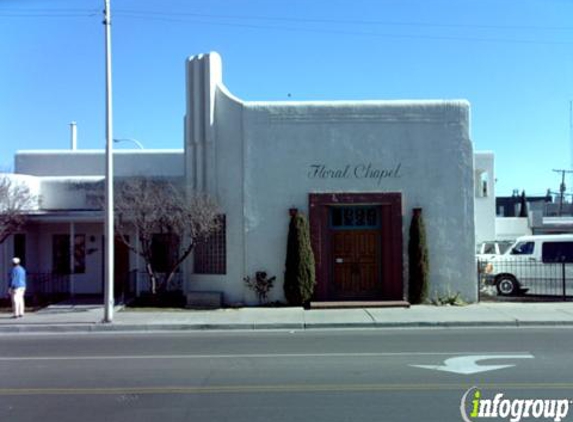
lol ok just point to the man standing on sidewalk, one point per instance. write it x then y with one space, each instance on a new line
17 288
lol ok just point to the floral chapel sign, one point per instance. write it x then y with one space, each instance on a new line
364 171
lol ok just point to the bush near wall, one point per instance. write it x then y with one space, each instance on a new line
300 276
418 262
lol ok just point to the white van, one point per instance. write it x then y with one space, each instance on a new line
490 249
533 264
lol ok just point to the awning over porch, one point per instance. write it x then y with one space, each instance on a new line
67 216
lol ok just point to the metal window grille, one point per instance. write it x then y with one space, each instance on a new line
211 255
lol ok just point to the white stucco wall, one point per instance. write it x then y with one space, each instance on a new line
485 225
422 146
510 228
33 184
54 163
214 164
71 193
68 179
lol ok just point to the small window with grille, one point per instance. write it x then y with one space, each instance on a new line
355 217
211 254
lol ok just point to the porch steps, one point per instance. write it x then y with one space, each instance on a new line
360 304
204 300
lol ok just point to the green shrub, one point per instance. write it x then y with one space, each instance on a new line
300 272
261 285
449 298
418 262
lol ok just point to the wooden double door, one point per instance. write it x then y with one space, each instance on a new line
356 264
357 244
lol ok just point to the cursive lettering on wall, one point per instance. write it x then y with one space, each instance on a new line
364 171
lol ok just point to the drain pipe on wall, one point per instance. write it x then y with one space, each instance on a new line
72 262
73 147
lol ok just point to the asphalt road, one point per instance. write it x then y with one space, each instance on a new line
336 375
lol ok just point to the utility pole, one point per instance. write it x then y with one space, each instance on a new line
108 229
571 132
562 188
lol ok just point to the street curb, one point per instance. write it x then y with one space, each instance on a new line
119 327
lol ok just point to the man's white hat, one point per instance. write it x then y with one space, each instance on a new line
15 261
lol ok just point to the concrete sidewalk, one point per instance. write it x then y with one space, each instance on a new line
88 318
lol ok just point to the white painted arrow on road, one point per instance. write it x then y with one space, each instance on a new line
468 364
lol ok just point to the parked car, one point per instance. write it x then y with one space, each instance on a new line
532 263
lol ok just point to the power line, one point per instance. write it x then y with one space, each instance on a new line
67 15
152 13
45 9
213 19
42 13
341 21
345 32
34 12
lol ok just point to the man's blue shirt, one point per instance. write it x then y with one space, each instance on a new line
18 278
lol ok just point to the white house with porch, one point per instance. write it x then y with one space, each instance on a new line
65 230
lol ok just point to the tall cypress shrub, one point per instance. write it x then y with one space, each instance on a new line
523 205
299 268
418 259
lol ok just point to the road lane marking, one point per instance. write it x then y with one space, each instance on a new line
296 388
248 356
468 364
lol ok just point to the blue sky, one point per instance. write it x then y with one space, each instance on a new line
512 59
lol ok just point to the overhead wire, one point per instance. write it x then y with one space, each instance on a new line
27 15
150 13
343 21
242 21
191 18
46 13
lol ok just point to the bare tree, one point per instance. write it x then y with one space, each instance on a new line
156 207
15 200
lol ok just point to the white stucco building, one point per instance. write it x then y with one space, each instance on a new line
356 169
